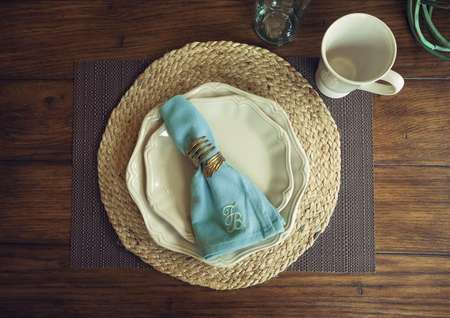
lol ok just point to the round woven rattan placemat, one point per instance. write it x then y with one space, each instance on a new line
251 69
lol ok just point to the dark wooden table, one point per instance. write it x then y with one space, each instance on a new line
40 41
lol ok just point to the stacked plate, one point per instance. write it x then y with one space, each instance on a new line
254 135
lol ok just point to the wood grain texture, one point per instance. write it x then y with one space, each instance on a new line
412 207
26 258
409 128
44 38
413 127
36 120
404 286
35 202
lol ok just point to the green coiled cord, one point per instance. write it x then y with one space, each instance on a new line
422 10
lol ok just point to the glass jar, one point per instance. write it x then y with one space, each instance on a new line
276 21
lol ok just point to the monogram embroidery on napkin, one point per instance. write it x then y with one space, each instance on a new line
233 218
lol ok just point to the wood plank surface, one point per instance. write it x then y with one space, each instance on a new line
44 38
40 42
36 120
412 209
35 202
409 128
412 206
413 127
27 258
404 286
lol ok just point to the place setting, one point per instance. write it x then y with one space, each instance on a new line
222 164
159 176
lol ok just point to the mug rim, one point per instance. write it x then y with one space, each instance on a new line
358 83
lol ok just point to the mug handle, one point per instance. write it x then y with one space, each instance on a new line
395 81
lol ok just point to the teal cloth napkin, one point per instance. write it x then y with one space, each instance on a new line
228 211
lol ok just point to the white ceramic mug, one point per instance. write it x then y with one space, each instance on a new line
358 50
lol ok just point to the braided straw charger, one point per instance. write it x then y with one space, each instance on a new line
251 69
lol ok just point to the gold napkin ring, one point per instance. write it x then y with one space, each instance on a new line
199 149
213 164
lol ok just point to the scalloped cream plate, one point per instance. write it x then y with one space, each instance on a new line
250 141
164 233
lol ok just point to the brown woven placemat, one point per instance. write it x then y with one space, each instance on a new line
347 244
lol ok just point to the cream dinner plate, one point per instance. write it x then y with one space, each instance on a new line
159 228
250 141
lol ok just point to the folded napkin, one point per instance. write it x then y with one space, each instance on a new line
228 212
